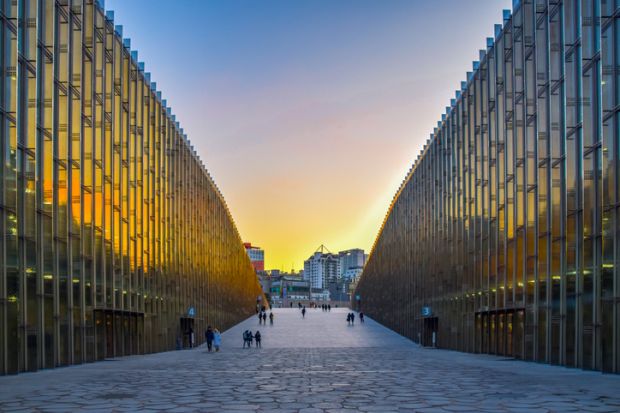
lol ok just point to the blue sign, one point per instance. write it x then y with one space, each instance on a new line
426 311
191 312
357 297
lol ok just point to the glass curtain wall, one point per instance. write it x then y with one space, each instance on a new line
503 237
115 238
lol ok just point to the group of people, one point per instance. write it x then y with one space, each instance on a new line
213 338
313 305
248 338
351 318
262 317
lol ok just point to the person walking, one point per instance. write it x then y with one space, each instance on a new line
303 312
247 338
349 319
260 317
209 338
270 318
352 318
258 338
264 318
361 317
329 307
217 339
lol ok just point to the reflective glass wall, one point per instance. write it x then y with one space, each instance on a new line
115 238
504 236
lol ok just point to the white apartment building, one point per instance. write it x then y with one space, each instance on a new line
320 268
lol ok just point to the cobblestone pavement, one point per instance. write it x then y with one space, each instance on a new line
312 365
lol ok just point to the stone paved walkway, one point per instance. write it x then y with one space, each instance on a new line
314 365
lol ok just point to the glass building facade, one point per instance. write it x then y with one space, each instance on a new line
115 239
504 236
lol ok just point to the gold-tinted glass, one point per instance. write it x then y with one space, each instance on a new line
116 237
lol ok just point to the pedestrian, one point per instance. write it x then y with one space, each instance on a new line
303 312
257 337
247 338
291 304
270 317
352 318
349 318
260 317
361 317
299 305
209 338
264 318
217 339
329 307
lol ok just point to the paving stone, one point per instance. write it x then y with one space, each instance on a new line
312 365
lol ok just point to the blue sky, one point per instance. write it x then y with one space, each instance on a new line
308 113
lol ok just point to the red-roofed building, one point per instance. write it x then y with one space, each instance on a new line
257 256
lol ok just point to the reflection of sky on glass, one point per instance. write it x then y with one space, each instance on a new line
308 113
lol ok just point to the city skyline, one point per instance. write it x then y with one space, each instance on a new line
324 122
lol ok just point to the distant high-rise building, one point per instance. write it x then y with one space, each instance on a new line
257 256
351 263
321 267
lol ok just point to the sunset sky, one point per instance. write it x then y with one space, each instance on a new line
307 113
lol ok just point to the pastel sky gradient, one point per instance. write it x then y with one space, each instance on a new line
307 113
